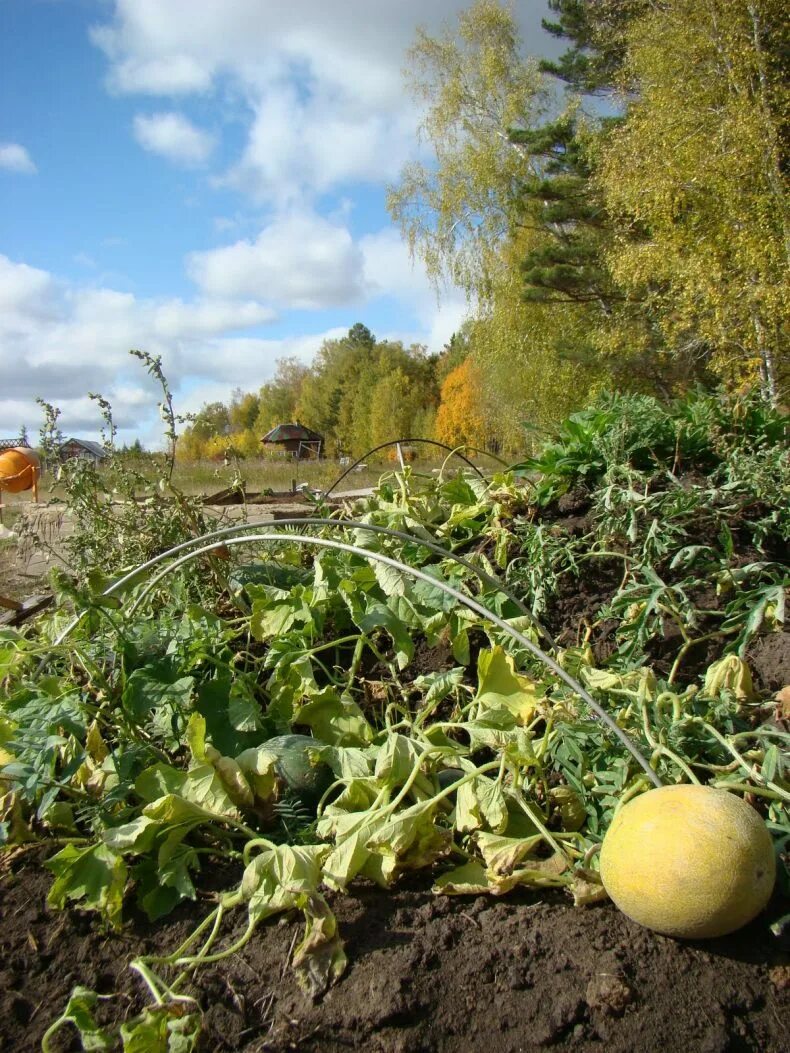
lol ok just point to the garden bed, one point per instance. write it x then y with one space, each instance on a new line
139 771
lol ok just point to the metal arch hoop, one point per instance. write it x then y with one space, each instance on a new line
348 524
428 442
467 601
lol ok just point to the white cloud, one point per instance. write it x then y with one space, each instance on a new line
389 268
300 260
390 271
174 75
172 136
176 320
59 342
24 291
321 81
297 147
15 158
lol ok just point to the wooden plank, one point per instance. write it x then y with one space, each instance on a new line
231 495
27 609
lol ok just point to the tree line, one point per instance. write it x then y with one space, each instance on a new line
358 392
617 218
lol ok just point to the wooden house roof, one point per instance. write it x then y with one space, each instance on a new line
292 433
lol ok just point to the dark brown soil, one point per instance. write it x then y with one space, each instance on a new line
425 973
769 660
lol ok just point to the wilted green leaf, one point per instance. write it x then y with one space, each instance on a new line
500 686
94 877
79 1012
335 720
480 803
168 1028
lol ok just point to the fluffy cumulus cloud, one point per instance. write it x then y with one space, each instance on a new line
15 158
300 260
321 82
58 342
174 137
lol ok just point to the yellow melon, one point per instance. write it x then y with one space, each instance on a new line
688 861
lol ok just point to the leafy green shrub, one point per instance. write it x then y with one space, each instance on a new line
695 433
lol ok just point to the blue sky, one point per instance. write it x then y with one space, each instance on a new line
204 179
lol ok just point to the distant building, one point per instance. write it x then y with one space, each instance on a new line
296 439
84 448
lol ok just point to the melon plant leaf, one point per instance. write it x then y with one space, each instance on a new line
214 703
319 960
334 719
439 685
244 713
158 780
499 686
377 616
162 1029
258 766
347 762
155 897
480 803
150 688
390 579
460 645
172 809
285 877
95 877
79 1012
503 854
232 778
271 621
474 877
429 597
164 881
407 840
200 786
469 879
135 836
350 854
396 758
12 652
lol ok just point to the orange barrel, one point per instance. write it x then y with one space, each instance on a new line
19 469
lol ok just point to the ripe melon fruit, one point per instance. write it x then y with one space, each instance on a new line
688 861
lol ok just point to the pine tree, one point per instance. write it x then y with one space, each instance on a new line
597 32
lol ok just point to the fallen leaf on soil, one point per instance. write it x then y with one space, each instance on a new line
783 698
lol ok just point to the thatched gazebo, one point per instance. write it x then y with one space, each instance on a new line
297 439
